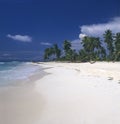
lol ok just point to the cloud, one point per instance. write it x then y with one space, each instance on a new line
76 44
45 43
96 30
22 38
81 36
99 29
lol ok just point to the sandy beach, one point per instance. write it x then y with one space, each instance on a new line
70 93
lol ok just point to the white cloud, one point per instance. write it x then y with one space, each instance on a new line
76 44
96 30
45 43
81 36
99 29
22 38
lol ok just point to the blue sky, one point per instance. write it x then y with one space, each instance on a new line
33 25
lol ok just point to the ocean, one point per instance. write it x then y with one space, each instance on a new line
12 71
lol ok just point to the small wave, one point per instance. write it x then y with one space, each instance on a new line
1 63
17 70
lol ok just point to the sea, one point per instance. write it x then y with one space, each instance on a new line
14 70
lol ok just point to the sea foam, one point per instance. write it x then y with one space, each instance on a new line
12 71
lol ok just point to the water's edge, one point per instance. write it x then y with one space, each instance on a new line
19 73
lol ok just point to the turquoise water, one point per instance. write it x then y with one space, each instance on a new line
13 71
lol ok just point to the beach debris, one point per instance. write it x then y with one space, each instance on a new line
110 78
77 70
92 62
119 81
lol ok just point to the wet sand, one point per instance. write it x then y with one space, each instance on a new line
20 105
71 93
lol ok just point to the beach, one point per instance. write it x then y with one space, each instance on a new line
69 93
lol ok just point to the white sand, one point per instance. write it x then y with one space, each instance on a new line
20 105
72 93
80 93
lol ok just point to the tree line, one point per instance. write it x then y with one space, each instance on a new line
93 49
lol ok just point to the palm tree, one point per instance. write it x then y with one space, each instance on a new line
108 39
117 46
91 44
68 50
53 52
83 57
102 53
66 46
71 55
48 52
57 51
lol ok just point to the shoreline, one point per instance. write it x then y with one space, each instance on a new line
19 101
68 93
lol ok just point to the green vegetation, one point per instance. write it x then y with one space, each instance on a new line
52 52
108 39
117 47
92 49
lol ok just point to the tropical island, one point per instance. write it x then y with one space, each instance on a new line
94 49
